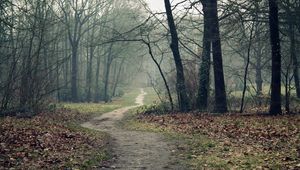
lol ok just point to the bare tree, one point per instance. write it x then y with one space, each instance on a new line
76 15
220 91
204 72
275 105
183 100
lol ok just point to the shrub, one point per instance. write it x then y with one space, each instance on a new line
157 108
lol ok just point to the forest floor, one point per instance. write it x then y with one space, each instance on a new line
134 149
228 141
119 136
50 140
55 140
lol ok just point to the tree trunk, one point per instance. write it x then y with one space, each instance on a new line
246 69
97 87
204 71
8 92
220 92
118 74
90 74
275 105
74 38
74 75
90 65
161 74
287 91
107 73
57 74
26 74
259 82
294 58
66 68
180 83
106 81
258 56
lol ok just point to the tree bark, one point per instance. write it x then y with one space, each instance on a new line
180 82
91 52
294 58
204 71
97 87
90 74
74 74
259 82
220 91
275 104
107 73
117 78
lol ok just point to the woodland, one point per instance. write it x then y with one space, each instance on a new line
219 77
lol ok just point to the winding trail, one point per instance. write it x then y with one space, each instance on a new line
134 150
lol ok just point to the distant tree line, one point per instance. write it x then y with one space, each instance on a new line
205 55
63 50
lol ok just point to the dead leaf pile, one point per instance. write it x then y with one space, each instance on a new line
276 137
63 115
41 142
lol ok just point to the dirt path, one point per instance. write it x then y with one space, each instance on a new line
133 149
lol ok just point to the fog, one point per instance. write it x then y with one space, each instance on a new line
93 51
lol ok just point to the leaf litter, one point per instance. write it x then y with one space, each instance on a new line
236 141
46 141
